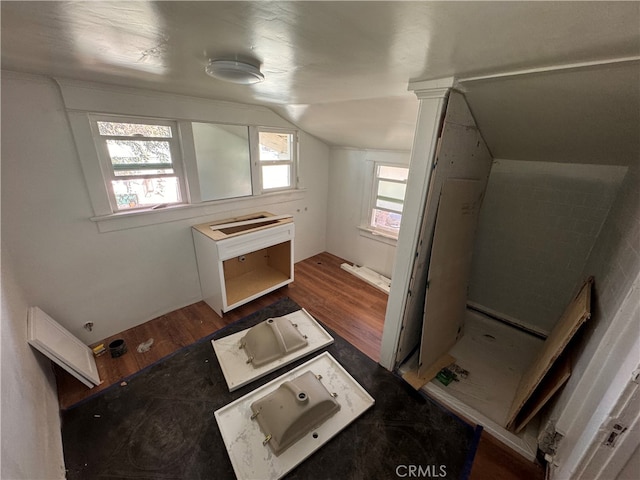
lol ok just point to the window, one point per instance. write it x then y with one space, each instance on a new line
140 161
277 152
389 186
137 164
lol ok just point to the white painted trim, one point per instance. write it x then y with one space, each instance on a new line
604 461
377 236
258 163
374 279
436 88
172 213
420 169
549 68
369 200
600 386
83 99
525 443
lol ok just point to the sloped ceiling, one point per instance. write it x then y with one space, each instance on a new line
340 70
588 115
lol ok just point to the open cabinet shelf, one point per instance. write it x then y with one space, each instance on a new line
237 265
259 271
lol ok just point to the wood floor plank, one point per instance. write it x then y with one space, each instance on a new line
346 304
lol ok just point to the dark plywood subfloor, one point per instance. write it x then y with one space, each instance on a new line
346 304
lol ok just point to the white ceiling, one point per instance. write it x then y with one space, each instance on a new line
340 70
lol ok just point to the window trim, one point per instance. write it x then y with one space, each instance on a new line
369 202
140 218
82 98
258 163
108 170
97 169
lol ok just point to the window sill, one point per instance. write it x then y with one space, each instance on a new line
378 236
172 213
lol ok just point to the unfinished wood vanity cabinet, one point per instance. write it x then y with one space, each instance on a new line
240 259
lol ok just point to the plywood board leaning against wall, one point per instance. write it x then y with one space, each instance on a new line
576 313
462 153
449 268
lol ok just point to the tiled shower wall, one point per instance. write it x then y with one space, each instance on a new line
538 224
614 263
615 258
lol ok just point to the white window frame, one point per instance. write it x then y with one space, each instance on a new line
254 139
82 99
369 203
106 165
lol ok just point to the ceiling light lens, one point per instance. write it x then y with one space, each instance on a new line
234 72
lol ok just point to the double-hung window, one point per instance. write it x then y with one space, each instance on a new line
277 153
140 161
387 199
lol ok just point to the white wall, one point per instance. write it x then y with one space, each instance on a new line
224 163
120 278
631 469
31 437
347 179
610 333
538 224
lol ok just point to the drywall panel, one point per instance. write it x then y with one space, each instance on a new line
122 278
538 224
449 265
462 153
348 172
31 439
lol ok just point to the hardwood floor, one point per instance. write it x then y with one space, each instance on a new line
346 304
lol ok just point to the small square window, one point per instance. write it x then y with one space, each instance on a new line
387 199
277 158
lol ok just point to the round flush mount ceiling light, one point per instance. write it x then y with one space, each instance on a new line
234 71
